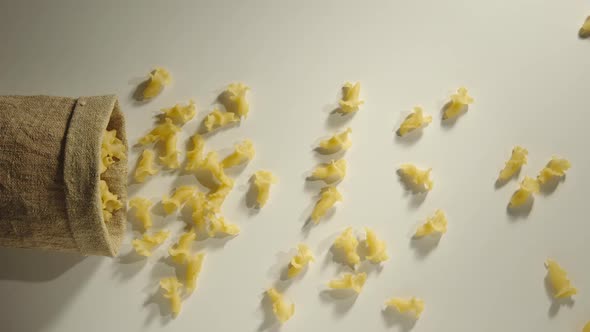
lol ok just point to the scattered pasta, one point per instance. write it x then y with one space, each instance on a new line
354 282
193 269
415 120
243 153
180 252
171 287
528 187
218 226
145 166
556 167
348 244
585 33
328 197
420 178
263 180
160 133
435 224
218 119
142 208
159 78
282 309
376 251
195 155
109 201
111 150
181 195
562 286
181 114
514 164
339 142
332 172
350 101
412 305
458 103
303 257
236 93
144 245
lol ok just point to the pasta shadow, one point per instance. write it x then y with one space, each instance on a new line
423 246
556 304
269 321
523 211
393 318
410 138
550 186
342 299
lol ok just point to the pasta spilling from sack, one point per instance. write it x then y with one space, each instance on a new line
171 287
218 226
350 101
514 164
194 156
243 153
435 224
354 282
419 178
181 195
328 197
303 257
415 120
562 286
109 201
376 249
332 172
180 252
236 93
193 269
555 168
282 308
181 114
413 305
528 187
144 245
158 79
339 142
459 102
585 33
218 119
111 150
160 133
348 244
263 180
145 166
142 208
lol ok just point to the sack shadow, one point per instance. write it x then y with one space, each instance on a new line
342 300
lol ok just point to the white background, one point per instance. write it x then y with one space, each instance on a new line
521 60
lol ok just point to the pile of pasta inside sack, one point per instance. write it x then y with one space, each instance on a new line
206 207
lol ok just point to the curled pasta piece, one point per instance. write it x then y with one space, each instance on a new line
237 96
354 282
328 197
514 164
171 287
562 286
415 120
180 251
556 167
420 178
160 133
109 201
376 249
217 197
348 244
111 150
170 159
142 208
218 119
243 153
350 101
145 166
282 308
181 114
212 165
458 103
181 195
528 187
303 257
198 204
412 305
339 142
194 156
435 224
144 245
332 172
218 226
263 180
158 79
193 269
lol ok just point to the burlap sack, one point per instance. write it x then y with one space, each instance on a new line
49 174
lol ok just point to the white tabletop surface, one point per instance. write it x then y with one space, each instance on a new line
521 60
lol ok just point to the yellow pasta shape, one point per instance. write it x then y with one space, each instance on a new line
348 244
219 226
513 165
142 208
160 132
332 172
303 257
587 326
339 142
411 305
145 166
198 205
263 180
282 309
414 121
181 195
418 177
195 155
159 78
193 269
211 163
217 119
144 245
328 197
170 159
217 197
556 167
458 103
181 114
243 153
350 281
109 201
111 150
528 187
562 286
171 287
350 101
435 224
376 250
181 250
237 95
585 33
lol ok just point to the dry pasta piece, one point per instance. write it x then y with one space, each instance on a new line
171 287
585 33
181 250
339 142
332 172
142 208
217 119
144 245
237 96
414 121
170 159
199 208
328 197
282 309
350 281
458 103
181 114
435 224
219 226
217 197
263 180
160 132
348 244
418 177
111 150
514 164
145 166
159 78
211 163
587 326
181 195
193 269
303 257
109 201
412 305
244 152
376 250
195 155
556 167
528 187
562 286
350 101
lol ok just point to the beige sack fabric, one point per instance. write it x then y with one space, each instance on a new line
49 174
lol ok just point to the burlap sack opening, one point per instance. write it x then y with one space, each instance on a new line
49 174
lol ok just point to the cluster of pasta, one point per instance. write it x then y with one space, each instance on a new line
236 107
112 150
